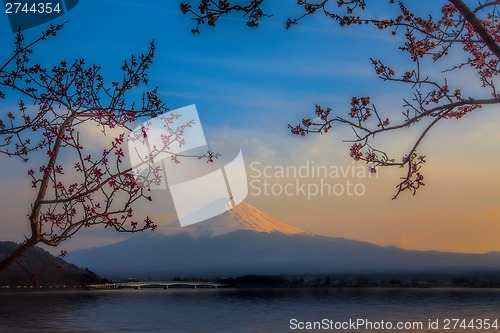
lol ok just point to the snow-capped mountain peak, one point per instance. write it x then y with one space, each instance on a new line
242 217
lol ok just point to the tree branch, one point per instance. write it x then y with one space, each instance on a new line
488 40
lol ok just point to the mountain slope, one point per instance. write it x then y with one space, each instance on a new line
46 268
246 241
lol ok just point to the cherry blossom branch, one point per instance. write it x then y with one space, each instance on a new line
77 189
460 28
209 11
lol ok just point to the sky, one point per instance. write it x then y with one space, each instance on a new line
249 84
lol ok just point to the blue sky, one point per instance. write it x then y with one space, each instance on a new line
249 84
237 76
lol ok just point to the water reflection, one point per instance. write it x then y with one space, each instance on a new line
226 310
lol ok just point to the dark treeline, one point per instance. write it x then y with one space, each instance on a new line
382 280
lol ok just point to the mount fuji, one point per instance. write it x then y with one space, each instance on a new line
245 240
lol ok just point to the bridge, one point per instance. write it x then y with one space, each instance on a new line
154 284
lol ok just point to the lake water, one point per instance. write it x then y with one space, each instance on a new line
242 311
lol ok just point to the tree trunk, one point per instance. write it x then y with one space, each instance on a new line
18 253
